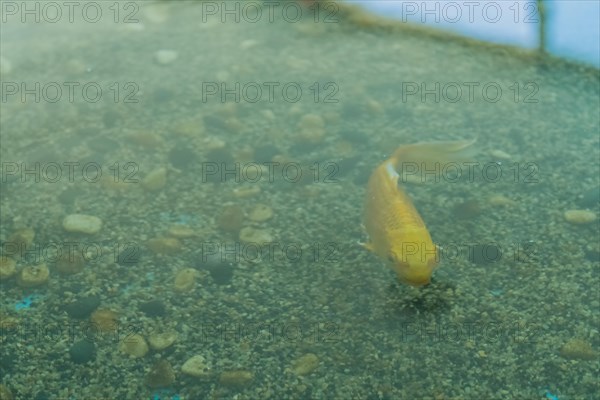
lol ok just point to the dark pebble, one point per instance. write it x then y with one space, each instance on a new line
214 123
222 275
83 351
162 95
68 196
102 145
83 307
467 209
221 271
111 118
590 197
8 358
592 255
153 308
362 177
224 162
219 156
302 148
329 173
482 254
351 110
354 136
182 157
265 153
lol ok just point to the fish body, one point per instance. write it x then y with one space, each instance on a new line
396 231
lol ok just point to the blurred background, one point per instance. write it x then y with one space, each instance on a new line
571 28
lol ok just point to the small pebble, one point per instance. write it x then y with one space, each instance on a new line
253 235
147 139
246 44
83 307
579 217
197 367
185 280
5 393
590 198
165 57
500 200
181 231
5 66
160 375
500 155
236 378
223 274
22 238
34 275
265 153
260 213
578 349
312 129
182 157
7 268
70 263
160 341
467 209
246 191
134 345
231 219
374 107
165 245
83 351
221 271
104 319
305 364
82 223
154 308
156 179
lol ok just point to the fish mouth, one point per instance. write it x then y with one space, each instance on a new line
418 282
415 281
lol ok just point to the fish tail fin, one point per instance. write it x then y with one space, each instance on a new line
435 152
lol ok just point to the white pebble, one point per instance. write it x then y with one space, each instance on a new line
82 223
499 154
165 57
5 66
246 44
580 216
196 366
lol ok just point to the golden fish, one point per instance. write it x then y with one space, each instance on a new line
396 231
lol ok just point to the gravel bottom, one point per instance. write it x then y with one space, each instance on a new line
513 309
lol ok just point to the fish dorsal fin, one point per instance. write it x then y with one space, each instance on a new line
389 168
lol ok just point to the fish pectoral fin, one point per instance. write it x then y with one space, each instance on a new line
366 245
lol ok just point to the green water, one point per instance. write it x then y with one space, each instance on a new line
314 315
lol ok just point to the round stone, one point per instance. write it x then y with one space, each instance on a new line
165 57
134 345
83 351
156 179
260 213
185 280
82 223
160 341
7 268
252 235
34 275
305 364
83 307
197 367
580 216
